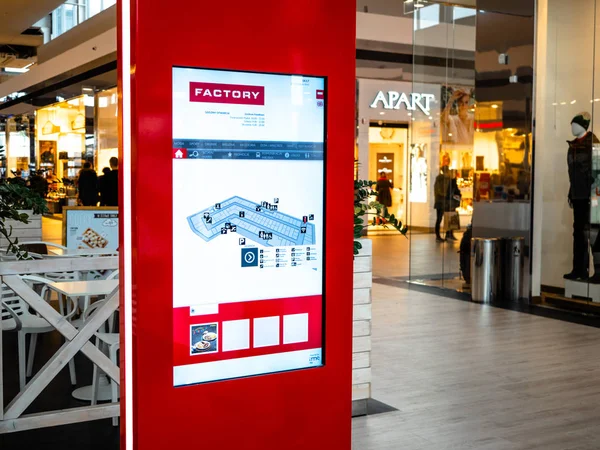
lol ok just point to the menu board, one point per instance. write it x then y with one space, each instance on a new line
91 228
248 219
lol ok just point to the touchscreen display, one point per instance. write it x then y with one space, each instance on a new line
248 218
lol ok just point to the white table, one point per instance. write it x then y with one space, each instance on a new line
84 288
88 289
56 252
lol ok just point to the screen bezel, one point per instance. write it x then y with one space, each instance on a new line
324 212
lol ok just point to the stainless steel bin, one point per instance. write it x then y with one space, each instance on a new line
485 269
512 268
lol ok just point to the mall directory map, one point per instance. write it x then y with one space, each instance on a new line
248 223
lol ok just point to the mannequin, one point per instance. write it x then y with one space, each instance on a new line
579 161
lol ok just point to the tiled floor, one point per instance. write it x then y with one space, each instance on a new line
466 376
420 256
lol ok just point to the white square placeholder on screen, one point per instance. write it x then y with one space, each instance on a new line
295 328
236 335
266 331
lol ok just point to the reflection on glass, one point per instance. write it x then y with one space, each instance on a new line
502 157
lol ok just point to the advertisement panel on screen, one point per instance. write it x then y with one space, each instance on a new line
248 217
86 227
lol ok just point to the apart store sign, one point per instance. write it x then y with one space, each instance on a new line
393 100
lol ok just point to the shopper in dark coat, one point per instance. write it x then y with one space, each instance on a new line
88 186
102 186
442 183
111 184
452 201
384 192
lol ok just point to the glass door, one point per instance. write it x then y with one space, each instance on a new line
442 163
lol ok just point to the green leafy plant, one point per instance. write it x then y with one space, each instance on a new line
15 196
362 207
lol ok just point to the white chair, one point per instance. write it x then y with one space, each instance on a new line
113 276
5 255
112 343
16 316
41 249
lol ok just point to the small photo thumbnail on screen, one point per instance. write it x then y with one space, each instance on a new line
204 338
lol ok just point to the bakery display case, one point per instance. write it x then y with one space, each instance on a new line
60 138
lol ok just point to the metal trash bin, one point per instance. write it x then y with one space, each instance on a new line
512 268
485 269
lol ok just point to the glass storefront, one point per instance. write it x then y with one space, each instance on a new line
476 140
443 150
67 135
566 258
18 146
107 130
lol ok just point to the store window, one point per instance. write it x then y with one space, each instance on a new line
442 167
566 269
106 128
426 17
18 146
60 131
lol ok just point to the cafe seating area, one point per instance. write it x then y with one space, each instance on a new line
59 338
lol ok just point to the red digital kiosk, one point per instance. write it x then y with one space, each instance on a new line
236 170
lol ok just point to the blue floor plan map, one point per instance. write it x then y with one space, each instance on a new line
261 222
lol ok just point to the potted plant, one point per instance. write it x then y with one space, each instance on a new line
363 279
362 207
18 204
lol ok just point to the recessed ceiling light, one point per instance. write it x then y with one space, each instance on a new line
16 69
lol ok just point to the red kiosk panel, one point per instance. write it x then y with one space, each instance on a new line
173 315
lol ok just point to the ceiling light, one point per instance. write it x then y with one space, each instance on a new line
16 69
573 102
563 103
495 106
382 113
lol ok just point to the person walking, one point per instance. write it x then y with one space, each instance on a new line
442 183
384 192
453 197
102 186
87 185
111 183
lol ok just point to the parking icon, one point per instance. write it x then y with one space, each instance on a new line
249 257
